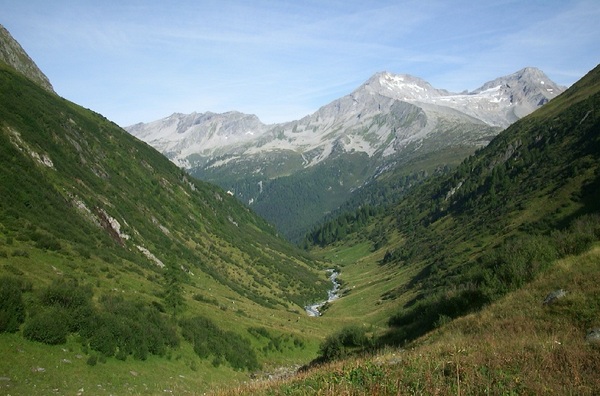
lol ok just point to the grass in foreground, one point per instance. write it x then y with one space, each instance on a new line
515 346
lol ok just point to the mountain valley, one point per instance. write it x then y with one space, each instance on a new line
464 236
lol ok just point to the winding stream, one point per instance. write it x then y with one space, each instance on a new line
313 310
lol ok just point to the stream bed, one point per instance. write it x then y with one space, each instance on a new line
313 310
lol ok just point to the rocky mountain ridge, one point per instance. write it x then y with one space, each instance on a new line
346 121
13 55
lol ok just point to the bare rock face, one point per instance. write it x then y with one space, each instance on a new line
553 296
181 135
13 55
526 90
593 336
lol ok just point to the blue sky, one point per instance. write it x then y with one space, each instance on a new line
141 60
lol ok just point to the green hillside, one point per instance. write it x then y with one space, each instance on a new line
126 263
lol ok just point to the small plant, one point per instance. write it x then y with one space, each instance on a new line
343 343
92 360
225 346
20 253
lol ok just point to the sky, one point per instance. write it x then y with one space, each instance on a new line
141 60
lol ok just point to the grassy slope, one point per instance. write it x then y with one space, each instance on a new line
247 277
515 346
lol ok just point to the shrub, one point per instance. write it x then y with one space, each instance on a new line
127 327
121 355
67 294
76 300
92 360
20 253
208 339
104 339
48 242
259 332
516 262
48 326
12 308
344 342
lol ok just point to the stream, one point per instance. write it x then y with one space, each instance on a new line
313 310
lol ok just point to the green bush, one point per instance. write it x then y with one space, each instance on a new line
105 337
92 360
579 237
12 308
127 327
20 253
47 242
67 294
517 262
344 342
208 339
76 300
259 332
48 326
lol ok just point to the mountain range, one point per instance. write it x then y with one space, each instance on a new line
388 121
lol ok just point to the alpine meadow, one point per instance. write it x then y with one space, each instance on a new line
403 239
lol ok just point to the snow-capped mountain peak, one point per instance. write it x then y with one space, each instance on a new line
400 87
383 115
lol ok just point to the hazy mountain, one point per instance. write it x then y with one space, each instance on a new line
181 136
497 103
294 173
